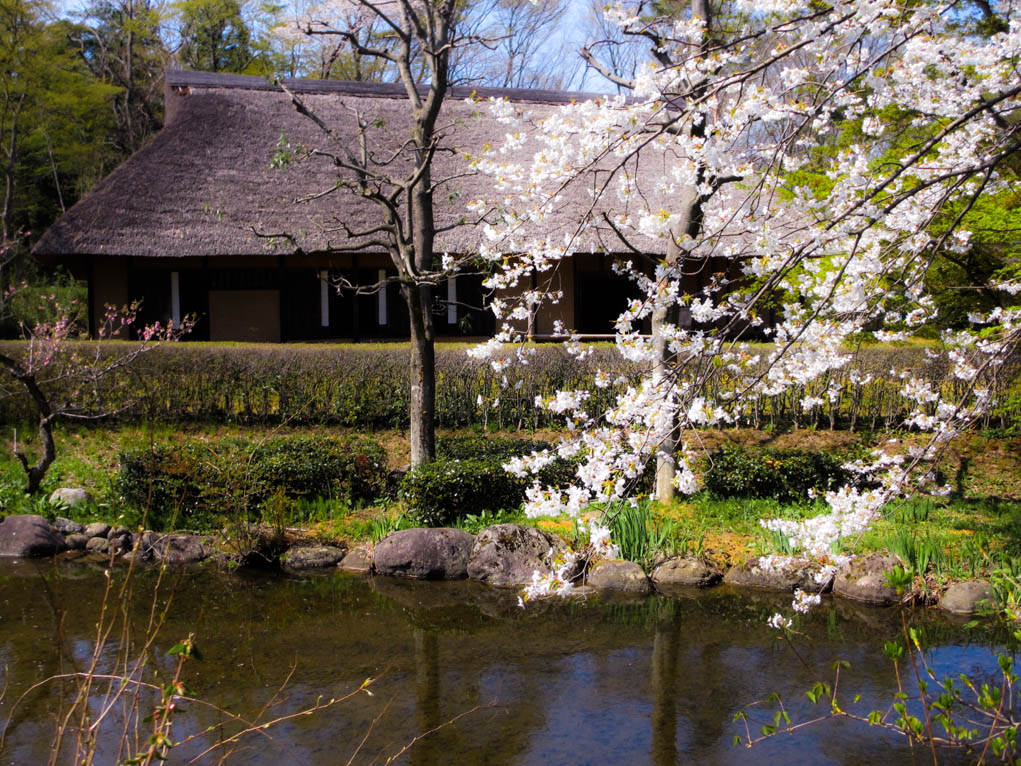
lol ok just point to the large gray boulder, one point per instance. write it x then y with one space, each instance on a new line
507 554
864 580
778 573
175 549
425 554
685 572
312 557
70 497
968 597
616 574
29 535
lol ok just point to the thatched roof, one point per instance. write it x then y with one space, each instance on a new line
204 183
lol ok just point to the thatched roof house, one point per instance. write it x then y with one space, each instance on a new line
179 223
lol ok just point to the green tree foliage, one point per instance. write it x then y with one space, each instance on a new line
121 43
215 37
54 119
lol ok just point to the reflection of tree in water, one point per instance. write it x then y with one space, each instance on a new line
665 644
428 711
687 675
495 735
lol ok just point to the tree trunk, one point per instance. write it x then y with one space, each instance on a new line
422 375
47 416
419 294
690 224
8 233
665 361
36 472
666 462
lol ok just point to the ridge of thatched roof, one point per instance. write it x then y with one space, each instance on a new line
203 186
185 78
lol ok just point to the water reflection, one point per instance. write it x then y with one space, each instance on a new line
650 681
665 649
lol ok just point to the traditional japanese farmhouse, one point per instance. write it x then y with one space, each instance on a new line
199 222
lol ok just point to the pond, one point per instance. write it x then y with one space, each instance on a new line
599 681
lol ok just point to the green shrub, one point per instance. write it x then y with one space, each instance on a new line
352 469
191 484
166 484
446 491
782 475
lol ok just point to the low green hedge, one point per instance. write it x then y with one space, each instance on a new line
441 493
352 468
366 386
190 485
783 475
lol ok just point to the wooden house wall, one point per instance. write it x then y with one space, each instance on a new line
286 298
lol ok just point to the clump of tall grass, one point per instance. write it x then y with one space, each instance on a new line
387 523
639 536
919 552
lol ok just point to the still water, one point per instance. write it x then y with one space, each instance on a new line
650 681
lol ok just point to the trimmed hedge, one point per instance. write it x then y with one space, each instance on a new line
194 483
366 387
783 475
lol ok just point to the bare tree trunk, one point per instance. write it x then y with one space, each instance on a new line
9 180
36 472
423 229
422 375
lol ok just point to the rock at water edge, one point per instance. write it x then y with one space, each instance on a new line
779 573
686 572
968 597
424 554
507 554
864 580
313 557
29 535
615 574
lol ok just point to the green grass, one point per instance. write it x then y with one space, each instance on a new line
741 515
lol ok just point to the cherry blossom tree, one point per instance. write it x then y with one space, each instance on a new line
65 372
754 146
